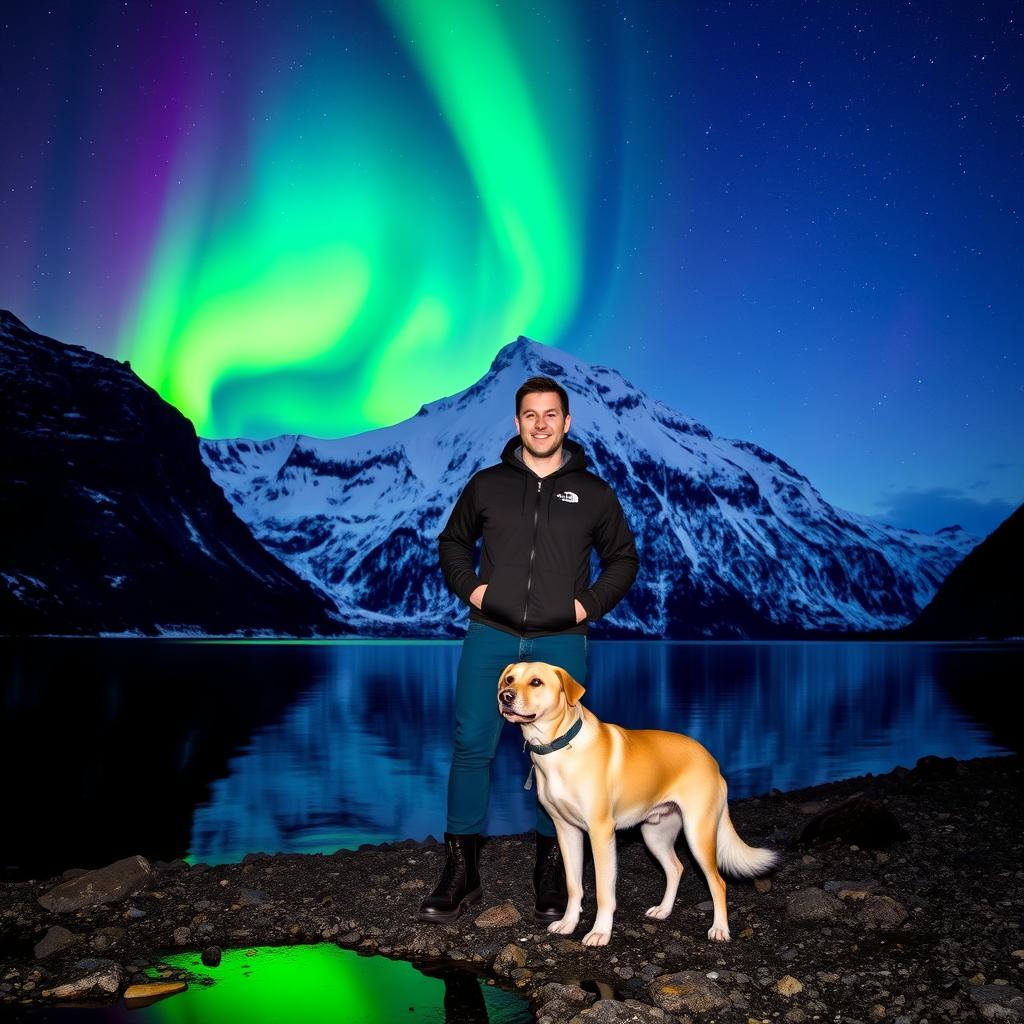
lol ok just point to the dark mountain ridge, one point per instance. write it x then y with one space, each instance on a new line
981 598
111 521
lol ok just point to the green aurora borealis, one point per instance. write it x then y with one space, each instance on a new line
353 249
799 224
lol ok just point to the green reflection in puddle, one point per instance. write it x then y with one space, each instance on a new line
310 984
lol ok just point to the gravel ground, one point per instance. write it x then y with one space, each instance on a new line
898 897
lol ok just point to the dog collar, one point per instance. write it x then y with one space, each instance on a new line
556 744
549 748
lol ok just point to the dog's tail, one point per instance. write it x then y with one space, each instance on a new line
735 857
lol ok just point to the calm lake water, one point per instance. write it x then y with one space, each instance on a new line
210 750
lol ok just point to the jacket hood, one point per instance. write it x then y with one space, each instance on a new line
577 457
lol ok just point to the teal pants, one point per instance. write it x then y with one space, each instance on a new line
485 652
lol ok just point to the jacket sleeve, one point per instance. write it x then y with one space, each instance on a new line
619 563
457 544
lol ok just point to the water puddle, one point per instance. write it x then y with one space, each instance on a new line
307 985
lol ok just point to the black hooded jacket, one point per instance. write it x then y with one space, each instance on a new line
537 536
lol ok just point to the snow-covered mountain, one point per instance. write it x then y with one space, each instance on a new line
732 541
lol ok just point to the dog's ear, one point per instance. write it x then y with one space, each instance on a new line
573 690
504 672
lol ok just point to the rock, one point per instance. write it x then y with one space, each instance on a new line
251 898
501 916
763 884
151 990
56 939
812 807
556 1012
211 956
686 992
181 936
998 1002
809 905
104 938
788 986
851 890
881 912
104 885
573 995
858 819
105 981
611 1011
170 867
796 1015
510 958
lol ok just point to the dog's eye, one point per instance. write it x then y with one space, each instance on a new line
536 682
508 679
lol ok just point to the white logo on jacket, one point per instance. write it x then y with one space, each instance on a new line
570 496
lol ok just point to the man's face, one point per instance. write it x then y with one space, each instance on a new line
541 423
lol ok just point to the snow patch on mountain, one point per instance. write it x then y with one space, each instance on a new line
732 540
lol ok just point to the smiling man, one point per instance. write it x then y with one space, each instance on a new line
540 512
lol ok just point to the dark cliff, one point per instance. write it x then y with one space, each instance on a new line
111 520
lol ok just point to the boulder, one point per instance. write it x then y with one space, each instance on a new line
611 1011
104 981
686 992
808 906
104 885
501 916
881 912
56 939
509 959
998 1002
859 819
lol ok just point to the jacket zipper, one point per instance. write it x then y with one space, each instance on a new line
533 551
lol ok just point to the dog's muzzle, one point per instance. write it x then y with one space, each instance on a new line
506 700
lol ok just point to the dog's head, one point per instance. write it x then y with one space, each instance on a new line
532 691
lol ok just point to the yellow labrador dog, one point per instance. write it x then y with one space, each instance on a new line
595 777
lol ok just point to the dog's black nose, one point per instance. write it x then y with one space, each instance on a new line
507 696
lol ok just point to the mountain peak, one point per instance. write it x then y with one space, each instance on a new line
8 319
523 350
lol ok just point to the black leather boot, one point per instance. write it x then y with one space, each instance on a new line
549 881
459 886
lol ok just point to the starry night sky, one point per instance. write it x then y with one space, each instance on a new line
799 223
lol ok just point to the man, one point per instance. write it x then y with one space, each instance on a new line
539 512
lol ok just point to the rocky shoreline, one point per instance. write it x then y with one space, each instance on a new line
899 897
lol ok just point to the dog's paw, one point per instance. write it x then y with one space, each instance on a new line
596 938
719 933
658 913
565 926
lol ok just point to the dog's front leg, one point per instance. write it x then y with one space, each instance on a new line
602 842
570 843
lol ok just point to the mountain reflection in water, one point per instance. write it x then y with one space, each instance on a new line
214 749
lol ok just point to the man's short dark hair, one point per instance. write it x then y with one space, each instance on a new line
540 385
